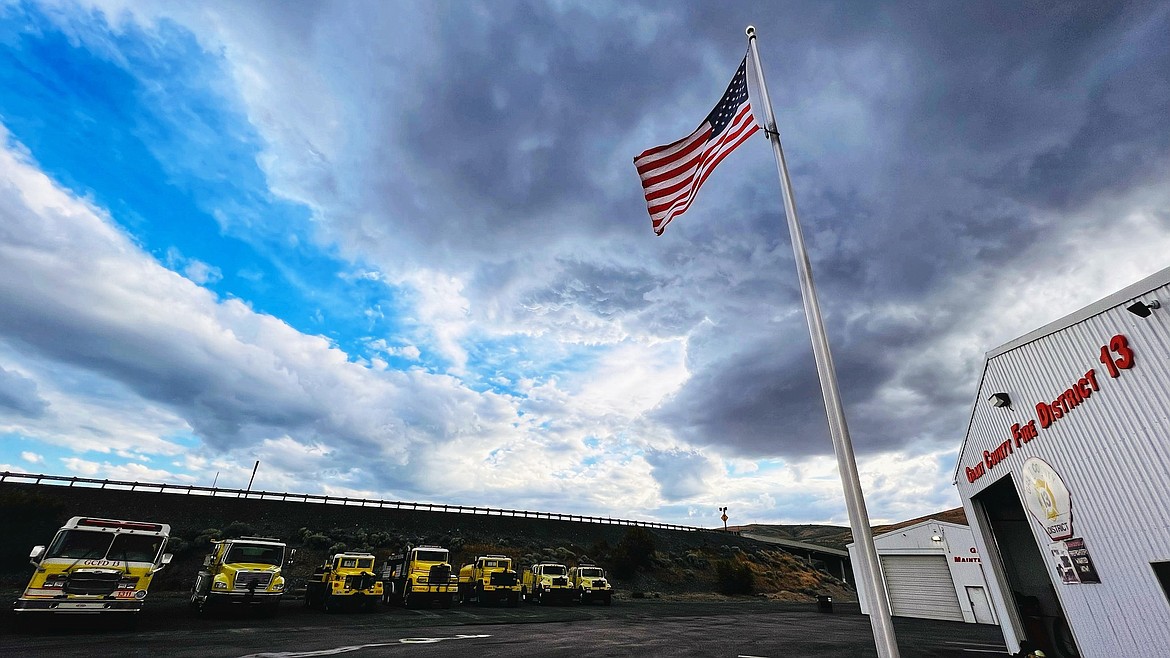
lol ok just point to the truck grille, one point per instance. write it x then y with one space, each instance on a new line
503 579
92 583
598 583
440 574
361 581
560 582
244 579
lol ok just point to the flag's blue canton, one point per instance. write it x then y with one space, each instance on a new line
736 95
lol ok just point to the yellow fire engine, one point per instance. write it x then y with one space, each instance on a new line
244 571
95 566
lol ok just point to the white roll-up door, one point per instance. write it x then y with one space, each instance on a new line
921 586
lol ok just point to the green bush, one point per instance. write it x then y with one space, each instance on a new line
634 551
238 529
205 537
733 577
177 545
317 540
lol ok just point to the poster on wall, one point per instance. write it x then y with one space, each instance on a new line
1086 572
1073 564
1046 498
1064 563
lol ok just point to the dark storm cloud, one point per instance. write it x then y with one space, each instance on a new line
19 394
995 112
516 110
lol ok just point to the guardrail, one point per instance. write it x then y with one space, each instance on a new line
196 490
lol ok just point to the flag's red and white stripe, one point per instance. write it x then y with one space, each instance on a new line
672 174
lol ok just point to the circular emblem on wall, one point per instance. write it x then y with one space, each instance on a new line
1046 498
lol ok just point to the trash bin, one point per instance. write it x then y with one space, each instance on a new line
824 603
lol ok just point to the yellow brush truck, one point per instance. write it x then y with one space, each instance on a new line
419 575
546 582
489 579
346 580
590 584
95 566
244 572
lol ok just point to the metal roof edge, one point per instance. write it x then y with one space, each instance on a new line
948 524
1155 280
970 422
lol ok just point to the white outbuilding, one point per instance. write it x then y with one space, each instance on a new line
1064 474
933 571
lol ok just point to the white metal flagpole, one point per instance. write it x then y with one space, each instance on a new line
873 584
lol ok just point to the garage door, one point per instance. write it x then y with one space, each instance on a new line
921 586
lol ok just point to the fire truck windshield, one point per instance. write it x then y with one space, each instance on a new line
89 545
135 548
256 554
80 544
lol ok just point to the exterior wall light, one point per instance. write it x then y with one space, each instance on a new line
935 538
1000 400
1143 310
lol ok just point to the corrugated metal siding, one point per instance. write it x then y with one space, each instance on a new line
1113 453
921 586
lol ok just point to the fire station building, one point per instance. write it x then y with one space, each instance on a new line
932 570
1064 473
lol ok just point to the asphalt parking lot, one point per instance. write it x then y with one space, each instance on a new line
643 627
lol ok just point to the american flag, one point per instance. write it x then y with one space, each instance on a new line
672 174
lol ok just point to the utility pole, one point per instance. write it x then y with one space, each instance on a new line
253 474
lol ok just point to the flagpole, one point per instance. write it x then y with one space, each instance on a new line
873 584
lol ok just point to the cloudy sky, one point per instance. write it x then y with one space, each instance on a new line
399 249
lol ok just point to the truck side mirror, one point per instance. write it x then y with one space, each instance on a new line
166 559
209 560
35 555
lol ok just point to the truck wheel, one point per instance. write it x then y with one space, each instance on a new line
446 602
608 600
513 599
329 604
406 597
479 594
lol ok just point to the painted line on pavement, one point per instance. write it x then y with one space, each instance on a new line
358 647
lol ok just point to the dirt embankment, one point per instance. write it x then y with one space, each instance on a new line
642 561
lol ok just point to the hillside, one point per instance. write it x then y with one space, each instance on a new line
839 537
642 561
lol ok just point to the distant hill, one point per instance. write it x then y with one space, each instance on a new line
832 536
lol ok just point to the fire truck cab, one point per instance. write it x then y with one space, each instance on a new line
95 566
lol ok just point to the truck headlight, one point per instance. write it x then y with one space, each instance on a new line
278 587
140 594
219 584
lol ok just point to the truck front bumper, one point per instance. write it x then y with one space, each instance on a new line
244 598
556 595
76 607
